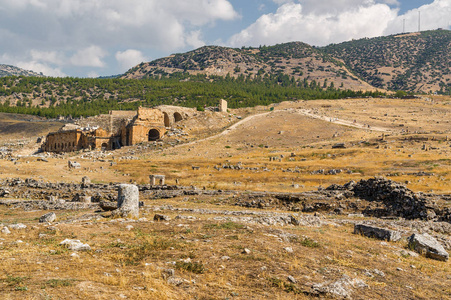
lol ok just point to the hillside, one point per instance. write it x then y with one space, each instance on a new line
52 97
417 62
411 62
297 60
6 70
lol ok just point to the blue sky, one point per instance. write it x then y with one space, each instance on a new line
87 38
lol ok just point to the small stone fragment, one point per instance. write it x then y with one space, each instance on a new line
160 217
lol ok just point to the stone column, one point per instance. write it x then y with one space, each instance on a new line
128 201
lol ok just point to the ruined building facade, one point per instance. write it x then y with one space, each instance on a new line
112 131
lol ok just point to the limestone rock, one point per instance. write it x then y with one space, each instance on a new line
160 217
108 205
75 245
17 226
5 230
376 232
49 217
342 288
428 246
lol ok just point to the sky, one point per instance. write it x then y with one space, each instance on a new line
91 38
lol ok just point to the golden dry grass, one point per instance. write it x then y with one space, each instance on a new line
39 268
132 262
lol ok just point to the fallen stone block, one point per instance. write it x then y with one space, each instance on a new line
428 246
108 205
376 232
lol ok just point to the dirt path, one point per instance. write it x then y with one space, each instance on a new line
226 131
354 124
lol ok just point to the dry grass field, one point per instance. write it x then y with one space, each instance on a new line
212 254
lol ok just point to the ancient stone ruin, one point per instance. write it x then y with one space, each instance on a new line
117 129
154 178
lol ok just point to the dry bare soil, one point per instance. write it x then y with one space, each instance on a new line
212 249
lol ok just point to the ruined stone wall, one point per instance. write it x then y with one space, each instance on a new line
150 116
173 114
64 141
123 113
147 126
116 129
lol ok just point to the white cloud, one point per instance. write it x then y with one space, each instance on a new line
291 23
89 57
93 74
40 67
129 58
433 16
324 22
73 26
53 57
391 2
194 39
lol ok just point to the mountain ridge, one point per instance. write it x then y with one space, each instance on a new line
415 62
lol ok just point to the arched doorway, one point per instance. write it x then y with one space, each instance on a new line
177 117
167 122
104 146
153 135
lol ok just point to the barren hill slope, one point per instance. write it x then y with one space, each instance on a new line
298 60
418 62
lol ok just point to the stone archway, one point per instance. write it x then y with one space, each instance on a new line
177 117
167 121
153 135
104 146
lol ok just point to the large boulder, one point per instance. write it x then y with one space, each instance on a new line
428 246
128 201
378 233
